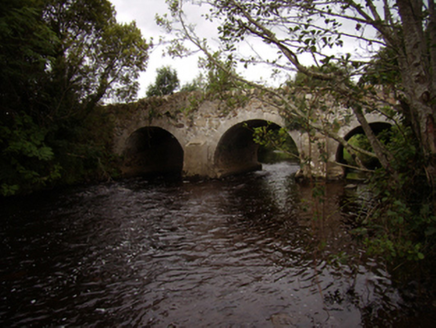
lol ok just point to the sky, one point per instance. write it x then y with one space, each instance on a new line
143 12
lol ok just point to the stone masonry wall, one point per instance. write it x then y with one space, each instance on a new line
199 124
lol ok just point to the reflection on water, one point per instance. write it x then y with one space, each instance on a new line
241 252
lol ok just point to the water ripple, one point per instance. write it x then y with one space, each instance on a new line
237 252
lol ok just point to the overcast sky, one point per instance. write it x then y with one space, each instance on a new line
144 12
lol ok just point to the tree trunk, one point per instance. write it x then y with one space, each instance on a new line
383 156
415 61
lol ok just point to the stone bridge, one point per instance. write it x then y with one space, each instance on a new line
184 133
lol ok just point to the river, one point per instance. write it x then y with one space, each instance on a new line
244 251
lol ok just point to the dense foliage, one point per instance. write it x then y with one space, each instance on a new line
59 60
166 82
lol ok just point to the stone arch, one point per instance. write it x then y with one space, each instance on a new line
152 150
236 152
377 127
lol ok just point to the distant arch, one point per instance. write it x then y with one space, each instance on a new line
152 150
376 127
236 151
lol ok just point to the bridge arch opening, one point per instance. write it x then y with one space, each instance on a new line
152 151
237 152
357 136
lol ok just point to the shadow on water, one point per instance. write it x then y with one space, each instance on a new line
244 251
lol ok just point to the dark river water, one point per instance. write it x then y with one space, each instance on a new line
245 251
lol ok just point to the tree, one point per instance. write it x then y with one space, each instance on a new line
26 46
97 58
59 60
197 83
318 28
165 84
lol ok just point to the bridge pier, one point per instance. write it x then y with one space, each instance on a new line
317 158
196 161
237 154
